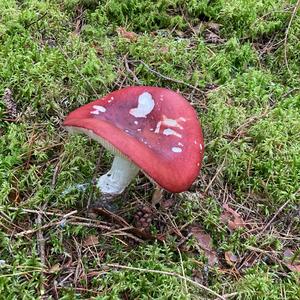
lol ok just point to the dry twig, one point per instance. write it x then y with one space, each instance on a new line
198 285
130 71
273 218
287 33
166 77
41 247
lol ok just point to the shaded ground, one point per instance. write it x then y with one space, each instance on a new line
235 234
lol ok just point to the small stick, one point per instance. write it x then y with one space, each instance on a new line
169 78
275 215
31 231
183 273
287 33
199 285
48 213
41 247
130 71
55 174
215 176
38 19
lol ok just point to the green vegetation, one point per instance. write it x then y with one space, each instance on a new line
243 60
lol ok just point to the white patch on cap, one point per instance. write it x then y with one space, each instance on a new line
182 119
145 106
169 131
176 149
200 146
180 144
157 129
95 112
136 122
168 122
139 129
99 108
151 129
172 123
198 164
195 142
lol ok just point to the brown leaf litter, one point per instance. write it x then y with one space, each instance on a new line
128 35
205 243
231 218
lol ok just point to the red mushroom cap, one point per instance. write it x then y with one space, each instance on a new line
153 127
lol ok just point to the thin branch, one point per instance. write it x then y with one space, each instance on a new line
183 273
130 71
38 19
168 78
215 176
197 284
273 218
287 33
41 248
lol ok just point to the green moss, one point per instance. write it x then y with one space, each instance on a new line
249 110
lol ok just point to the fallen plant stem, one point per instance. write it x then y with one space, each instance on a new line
183 272
198 285
167 77
275 215
41 248
215 176
48 213
130 71
296 7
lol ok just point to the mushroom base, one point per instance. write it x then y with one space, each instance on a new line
118 177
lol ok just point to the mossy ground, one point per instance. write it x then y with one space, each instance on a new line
236 61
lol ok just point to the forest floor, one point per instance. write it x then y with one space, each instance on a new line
235 234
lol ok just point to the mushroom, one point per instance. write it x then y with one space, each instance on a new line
151 129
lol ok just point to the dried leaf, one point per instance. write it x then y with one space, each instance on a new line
231 218
167 203
14 196
79 20
291 260
180 33
211 37
230 258
205 242
128 35
196 29
198 276
91 240
215 27
94 274
250 260
54 269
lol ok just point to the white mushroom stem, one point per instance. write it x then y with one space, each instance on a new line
118 177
